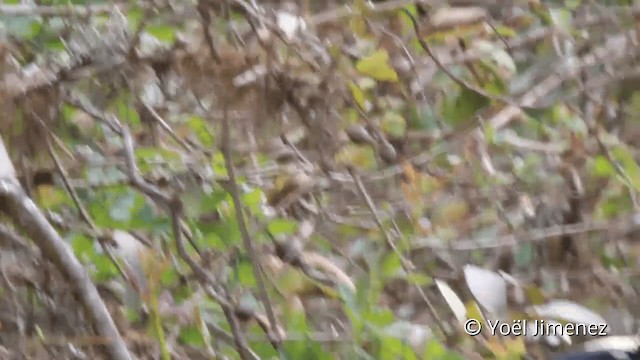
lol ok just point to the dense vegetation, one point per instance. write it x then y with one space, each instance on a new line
315 180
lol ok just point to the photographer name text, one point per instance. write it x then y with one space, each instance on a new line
533 328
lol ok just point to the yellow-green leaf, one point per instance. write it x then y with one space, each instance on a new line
162 33
358 26
505 31
629 165
473 311
357 93
394 124
377 66
360 156
50 196
535 295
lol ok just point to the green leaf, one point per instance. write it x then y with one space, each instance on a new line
601 167
613 204
505 31
50 197
490 134
629 165
419 279
121 210
306 350
361 156
392 348
202 131
134 16
162 33
358 94
170 276
144 218
433 349
282 226
226 230
253 199
125 111
561 114
380 317
407 24
211 240
198 203
191 335
23 27
217 163
394 124
391 266
155 154
463 107
423 118
244 270
377 66
82 246
105 268
54 44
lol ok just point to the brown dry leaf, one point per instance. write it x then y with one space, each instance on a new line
411 183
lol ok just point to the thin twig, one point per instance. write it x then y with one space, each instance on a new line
209 281
407 266
174 205
443 68
203 10
134 174
83 212
166 127
376 217
246 238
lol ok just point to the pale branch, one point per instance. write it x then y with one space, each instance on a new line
17 206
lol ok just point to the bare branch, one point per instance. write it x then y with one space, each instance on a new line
17 205
246 238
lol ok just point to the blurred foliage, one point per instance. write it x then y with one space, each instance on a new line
410 159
